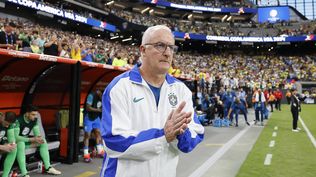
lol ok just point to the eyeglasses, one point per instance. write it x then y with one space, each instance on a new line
162 47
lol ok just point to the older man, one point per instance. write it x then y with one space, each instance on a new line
147 114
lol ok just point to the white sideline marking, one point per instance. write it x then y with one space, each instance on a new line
272 143
311 137
267 161
275 128
218 154
274 134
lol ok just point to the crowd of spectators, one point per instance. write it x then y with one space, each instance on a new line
237 70
249 28
31 37
216 28
233 70
210 3
214 3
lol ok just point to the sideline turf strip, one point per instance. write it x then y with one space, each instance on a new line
293 153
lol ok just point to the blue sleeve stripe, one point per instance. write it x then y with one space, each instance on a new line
109 167
186 143
121 144
196 119
118 142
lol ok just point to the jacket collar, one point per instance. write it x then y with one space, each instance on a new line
136 77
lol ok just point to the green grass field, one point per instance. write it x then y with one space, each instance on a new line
293 154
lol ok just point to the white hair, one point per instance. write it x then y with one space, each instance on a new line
151 30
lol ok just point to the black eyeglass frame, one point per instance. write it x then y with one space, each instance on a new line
162 47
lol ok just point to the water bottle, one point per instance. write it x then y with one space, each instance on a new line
40 167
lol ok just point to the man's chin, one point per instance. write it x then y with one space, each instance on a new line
163 70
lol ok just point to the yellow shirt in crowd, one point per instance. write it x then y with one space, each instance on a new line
75 55
119 62
174 72
202 75
170 71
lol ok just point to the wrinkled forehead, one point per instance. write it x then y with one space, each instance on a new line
160 35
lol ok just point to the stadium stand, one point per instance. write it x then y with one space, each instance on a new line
32 37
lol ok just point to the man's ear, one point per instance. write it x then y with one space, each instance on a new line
142 50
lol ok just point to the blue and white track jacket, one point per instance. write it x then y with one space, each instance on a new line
132 127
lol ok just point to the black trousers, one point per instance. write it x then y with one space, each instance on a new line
295 118
288 99
278 105
210 113
220 111
271 104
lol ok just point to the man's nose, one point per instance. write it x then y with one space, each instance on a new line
168 51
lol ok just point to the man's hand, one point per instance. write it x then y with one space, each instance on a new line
37 139
12 146
8 147
177 122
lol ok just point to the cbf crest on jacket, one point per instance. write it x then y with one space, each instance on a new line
132 127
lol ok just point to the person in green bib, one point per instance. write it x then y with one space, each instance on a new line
7 141
27 123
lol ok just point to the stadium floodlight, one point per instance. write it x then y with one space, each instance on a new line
64 22
127 39
179 39
211 42
224 18
151 12
97 28
114 37
110 3
190 16
284 43
246 43
145 10
45 14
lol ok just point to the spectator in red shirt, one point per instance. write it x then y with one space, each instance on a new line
278 95
266 94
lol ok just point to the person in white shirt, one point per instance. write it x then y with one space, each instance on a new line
147 115
259 105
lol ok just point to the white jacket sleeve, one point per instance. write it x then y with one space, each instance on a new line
194 134
120 139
